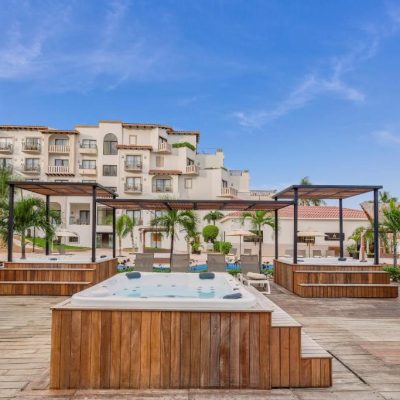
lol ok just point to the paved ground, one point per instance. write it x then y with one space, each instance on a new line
363 336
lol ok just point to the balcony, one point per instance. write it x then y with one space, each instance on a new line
192 170
87 170
162 189
229 192
53 148
31 169
79 221
31 147
90 149
6 148
134 167
164 148
132 188
58 170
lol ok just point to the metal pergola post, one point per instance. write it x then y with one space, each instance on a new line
114 221
10 223
376 227
94 222
47 248
341 238
276 236
295 223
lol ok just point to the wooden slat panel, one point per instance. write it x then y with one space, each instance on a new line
185 350
244 350
145 338
224 370
155 349
215 336
254 347
195 348
105 349
294 357
275 357
55 349
205 347
65 352
85 351
115 372
127 332
265 351
95 349
76 324
234 344
175 349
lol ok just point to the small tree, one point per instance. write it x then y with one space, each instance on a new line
210 233
309 202
213 216
391 222
123 227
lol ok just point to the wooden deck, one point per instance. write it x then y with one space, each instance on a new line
311 280
362 335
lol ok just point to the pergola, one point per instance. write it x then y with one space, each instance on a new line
328 192
58 189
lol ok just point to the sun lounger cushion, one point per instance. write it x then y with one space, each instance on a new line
133 275
236 295
206 275
254 275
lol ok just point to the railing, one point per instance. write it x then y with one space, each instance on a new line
32 169
229 191
58 169
53 148
87 170
164 189
133 188
192 169
88 148
34 147
6 147
164 147
78 221
131 166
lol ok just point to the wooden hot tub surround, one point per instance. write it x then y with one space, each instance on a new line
259 348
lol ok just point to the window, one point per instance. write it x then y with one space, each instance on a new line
88 144
132 139
162 140
135 215
189 161
59 162
188 183
158 213
32 143
104 216
109 170
162 185
88 164
110 144
6 143
6 163
74 239
133 161
159 161
133 183
84 217
31 164
61 142
224 183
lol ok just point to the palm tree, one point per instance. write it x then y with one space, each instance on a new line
391 222
189 226
258 220
309 202
5 176
213 216
123 226
28 212
385 197
170 221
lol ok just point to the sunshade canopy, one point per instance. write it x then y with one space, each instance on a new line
240 232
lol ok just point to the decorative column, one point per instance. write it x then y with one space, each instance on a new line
376 227
295 223
341 238
94 223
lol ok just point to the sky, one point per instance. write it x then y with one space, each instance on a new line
287 88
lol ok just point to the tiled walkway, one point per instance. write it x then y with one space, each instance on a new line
363 335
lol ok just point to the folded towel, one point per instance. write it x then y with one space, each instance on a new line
133 275
236 295
254 275
206 275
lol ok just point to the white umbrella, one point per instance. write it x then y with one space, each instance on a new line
240 233
63 233
310 234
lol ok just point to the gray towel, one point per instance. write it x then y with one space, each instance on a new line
206 275
133 275
236 295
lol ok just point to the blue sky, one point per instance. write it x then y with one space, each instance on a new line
286 88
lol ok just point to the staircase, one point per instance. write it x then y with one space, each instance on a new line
52 279
367 281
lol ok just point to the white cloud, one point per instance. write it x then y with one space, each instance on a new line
386 137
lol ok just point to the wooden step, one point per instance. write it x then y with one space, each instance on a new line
48 274
342 277
347 290
41 288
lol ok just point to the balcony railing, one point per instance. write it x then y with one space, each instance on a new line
88 148
192 169
132 166
31 147
87 170
9 168
31 169
53 148
164 147
132 188
229 192
162 189
6 148
79 221
58 169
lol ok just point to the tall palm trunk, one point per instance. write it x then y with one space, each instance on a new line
259 248
23 246
172 247
120 245
395 251
133 241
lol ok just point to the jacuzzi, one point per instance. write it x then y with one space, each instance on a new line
166 291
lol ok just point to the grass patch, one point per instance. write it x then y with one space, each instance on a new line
40 242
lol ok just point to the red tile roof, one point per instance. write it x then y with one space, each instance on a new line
315 212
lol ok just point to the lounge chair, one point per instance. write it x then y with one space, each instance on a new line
317 253
144 262
301 254
330 253
180 263
216 262
232 257
250 273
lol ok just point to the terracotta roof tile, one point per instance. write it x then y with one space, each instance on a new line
165 172
61 131
23 127
133 147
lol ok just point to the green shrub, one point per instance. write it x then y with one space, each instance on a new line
222 247
394 273
210 233
184 144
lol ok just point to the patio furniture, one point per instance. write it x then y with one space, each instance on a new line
232 257
180 263
144 262
216 262
317 253
250 273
